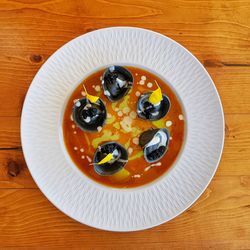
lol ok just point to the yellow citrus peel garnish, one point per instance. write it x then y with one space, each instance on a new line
156 95
106 159
91 98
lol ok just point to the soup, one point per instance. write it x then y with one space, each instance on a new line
124 126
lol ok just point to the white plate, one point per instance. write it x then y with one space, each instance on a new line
117 209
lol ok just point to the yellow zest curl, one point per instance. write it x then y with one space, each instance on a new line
91 98
156 95
106 159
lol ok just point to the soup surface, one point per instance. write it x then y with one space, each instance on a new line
124 126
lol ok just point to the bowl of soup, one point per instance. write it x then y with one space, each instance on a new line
142 128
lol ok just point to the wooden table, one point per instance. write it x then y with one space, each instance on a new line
216 32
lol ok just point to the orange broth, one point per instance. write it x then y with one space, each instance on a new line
82 145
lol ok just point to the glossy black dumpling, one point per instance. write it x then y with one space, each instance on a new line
149 111
154 143
114 166
89 116
117 81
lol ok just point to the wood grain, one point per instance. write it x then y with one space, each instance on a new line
28 219
216 31
236 150
9 132
229 86
23 178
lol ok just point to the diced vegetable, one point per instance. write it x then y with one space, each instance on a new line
121 175
137 155
107 136
159 124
